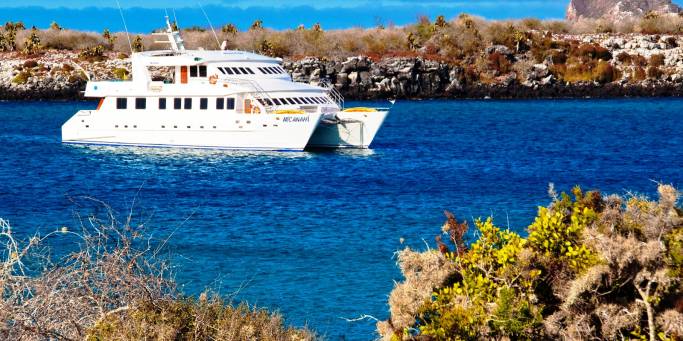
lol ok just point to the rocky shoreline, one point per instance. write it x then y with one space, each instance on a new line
60 75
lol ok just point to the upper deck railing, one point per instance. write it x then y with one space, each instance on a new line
332 92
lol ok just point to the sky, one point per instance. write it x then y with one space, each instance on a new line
143 16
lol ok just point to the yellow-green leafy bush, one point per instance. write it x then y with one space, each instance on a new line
21 77
592 267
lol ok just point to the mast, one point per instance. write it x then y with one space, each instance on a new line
174 39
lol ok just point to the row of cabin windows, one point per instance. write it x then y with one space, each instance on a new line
178 103
248 71
272 70
197 71
236 71
296 100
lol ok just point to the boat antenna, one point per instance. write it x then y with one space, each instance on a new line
210 25
130 45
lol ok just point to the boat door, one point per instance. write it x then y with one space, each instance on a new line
183 75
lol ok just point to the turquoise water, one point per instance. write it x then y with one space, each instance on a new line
313 234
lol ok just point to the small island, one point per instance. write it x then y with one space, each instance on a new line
599 51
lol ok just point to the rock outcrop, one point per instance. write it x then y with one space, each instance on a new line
60 75
616 10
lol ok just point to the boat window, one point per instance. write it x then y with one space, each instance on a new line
220 103
177 102
221 70
298 101
282 70
162 103
306 100
322 100
277 101
313 100
236 71
203 103
267 70
275 70
251 72
230 104
188 103
229 71
262 101
140 103
244 71
202 70
268 101
121 103
291 101
261 69
193 71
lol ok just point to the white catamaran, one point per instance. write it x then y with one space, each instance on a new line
218 100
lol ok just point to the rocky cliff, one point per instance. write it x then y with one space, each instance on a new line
616 10
637 65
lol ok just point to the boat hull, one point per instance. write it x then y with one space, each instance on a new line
348 129
204 131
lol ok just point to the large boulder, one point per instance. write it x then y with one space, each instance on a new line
617 10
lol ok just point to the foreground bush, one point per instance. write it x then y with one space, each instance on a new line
190 319
592 267
114 286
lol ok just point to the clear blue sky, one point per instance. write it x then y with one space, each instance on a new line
143 16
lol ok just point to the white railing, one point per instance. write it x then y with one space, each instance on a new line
332 92
257 92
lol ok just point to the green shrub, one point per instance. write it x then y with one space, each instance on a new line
257 25
587 261
138 45
229 29
32 42
121 73
21 77
111 39
92 54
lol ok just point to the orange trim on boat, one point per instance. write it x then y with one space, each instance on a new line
101 102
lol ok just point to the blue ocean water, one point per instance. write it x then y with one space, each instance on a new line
312 234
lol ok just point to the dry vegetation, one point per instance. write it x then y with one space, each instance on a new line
591 268
462 42
441 38
115 285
